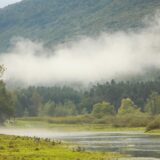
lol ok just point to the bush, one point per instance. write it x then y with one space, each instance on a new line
131 120
155 124
71 119
104 120
102 109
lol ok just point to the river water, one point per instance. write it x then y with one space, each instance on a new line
137 145
131 143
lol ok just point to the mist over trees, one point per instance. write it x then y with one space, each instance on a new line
120 104
119 99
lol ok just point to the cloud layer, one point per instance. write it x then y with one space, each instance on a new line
4 3
87 60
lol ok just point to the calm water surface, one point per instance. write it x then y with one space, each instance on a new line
137 145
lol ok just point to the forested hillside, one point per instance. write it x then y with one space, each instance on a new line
57 21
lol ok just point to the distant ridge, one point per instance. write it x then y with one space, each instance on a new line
57 21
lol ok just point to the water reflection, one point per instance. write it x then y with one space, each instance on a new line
135 144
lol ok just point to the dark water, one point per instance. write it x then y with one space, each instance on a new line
137 145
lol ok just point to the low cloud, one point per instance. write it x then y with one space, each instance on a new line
87 60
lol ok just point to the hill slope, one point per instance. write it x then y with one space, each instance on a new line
56 21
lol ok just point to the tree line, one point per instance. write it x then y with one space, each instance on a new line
64 101
108 98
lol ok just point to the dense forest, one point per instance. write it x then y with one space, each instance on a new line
64 101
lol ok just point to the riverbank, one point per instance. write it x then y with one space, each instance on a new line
154 132
124 140
36 123
51 145
29 123
27 148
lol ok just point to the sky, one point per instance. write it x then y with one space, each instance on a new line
4 3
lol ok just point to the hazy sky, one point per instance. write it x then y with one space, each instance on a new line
4 3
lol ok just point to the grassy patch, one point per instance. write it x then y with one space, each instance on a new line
26 148
154 132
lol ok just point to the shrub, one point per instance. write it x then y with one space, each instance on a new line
155 124
131 120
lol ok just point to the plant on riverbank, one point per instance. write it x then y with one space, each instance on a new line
154 124
26 148
132 120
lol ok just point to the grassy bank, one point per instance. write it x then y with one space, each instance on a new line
143 123
44 123
25 148
154 132
129 120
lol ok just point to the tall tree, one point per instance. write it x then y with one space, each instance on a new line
6 103
153 104
102 109
127 106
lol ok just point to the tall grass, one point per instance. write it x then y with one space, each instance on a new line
129 120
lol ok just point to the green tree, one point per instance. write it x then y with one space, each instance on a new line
6 107
102 109
48 109
36 101
70 107
6 103
66 109
127 106
153 104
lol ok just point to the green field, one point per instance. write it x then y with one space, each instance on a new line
26 148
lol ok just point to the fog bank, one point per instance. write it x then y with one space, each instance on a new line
87 60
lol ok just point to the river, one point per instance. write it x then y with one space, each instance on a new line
136 144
